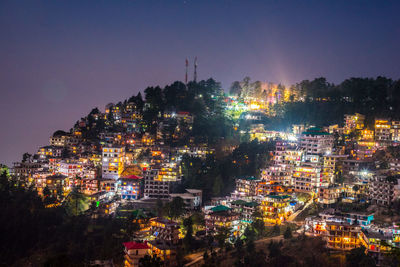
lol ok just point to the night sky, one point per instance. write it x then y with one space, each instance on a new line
59 59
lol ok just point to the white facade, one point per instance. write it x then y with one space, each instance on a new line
315 142
113 159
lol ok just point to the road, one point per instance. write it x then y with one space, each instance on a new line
196 258
294 215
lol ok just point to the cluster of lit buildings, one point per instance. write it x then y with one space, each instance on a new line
123 161
129 165
346 231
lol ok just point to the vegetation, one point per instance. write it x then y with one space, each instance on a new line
216 176
358 258
39 236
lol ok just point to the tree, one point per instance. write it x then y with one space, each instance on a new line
159 207
47 196
217 187
249 233
239 247
222 235
150 261
358 258
259 226
76 203
235 89
188 239
176 207
276 229
26 157
60 192
288 233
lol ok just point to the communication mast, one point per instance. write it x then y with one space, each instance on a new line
195 70
186 74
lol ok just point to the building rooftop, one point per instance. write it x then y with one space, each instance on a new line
375 234
279 196
135 245
245 203
166 222
249 178
315 131
131 177
194 191
220 208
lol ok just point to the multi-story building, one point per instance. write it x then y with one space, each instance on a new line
365 149
56 183
25 169
316 142
50 151
247 186
353 122
115 111
266 188
108 185
276 208
395 131
383 190
113 162
134 251
287 154
367 134
308 178
342 236
69 168
165 251
355 191
192 198
297 129
245 209
63 139
286 157
130 107
329 195
278 174
331 163
129 187
168 172
154 188
195 151
222 216
382 130
165 230
353 167
377 244
394 165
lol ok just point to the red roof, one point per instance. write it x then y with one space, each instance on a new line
183 113
132 177
135 245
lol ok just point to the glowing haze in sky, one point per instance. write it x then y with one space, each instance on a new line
59 59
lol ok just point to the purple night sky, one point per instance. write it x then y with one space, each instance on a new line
59 59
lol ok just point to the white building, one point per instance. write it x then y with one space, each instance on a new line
113 160
192 198
316 142
308 178
69 169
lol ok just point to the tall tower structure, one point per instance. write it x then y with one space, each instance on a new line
186 74
195 70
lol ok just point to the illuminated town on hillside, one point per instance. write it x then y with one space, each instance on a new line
195 170
135 161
